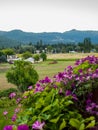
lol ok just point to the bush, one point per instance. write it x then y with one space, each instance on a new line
22 74
63 102
5 93
26 54
3 58
43 56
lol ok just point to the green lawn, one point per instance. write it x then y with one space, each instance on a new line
43 69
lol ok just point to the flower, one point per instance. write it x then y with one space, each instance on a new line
12 95
8 127
5 113
38 125
14 117
30 87
23 127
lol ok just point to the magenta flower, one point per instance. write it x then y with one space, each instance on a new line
5 113
18 100
23 127
68 92
38 125
17 110
8 127
14 117
30 87
12 95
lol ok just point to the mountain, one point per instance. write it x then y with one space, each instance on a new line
6 42
73 36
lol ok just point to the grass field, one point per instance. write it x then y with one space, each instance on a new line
69 56
44 68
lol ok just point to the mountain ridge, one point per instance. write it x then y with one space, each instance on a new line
71 36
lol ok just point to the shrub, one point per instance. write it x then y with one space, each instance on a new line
5 93
63 102
22 74
26 54
43 56
36 57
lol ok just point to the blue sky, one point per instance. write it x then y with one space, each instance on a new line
48 15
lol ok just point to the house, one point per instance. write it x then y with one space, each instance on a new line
12 58
30 59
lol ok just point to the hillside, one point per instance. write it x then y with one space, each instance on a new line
50 37
7 42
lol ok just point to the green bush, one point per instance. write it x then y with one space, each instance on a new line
5 93
22 74
43 56
6 102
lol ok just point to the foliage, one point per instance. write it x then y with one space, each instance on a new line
36 57
55 104
43 56
6 102
8 51
5 93
3 59
26 54
22 74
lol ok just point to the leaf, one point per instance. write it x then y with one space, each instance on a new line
69 102
55 120
91 124
75 123
63 125
82 126
46 108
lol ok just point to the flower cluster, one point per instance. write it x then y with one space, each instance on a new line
59 102
12 95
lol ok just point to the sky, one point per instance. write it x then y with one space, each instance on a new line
48 15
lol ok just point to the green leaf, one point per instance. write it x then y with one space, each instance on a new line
69 102
91 124
82 126
55 120
46 108
63 125
75 123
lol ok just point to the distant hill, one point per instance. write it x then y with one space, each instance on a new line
74 36
6 42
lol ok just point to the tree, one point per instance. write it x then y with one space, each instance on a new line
36 57
26 54
8 51
87 45
22 74
43 56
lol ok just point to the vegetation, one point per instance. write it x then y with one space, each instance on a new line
22 74
64 102
43 56
26 55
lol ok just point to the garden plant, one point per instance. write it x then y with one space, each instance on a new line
65 102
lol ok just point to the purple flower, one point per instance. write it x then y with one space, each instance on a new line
14 117
38 125
68 92
18 100
5 113
17 110
23 127
8 127
12 95
30 87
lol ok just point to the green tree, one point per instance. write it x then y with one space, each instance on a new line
36 57
43 56
8 51
22 74
26 54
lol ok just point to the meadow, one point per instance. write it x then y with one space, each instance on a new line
46 68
